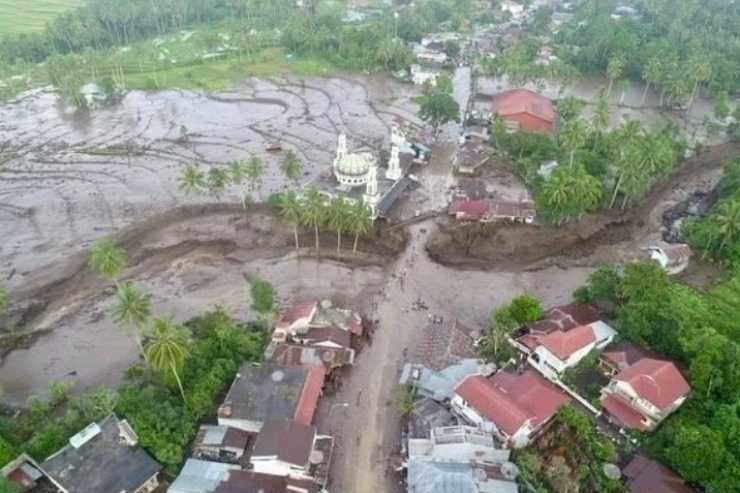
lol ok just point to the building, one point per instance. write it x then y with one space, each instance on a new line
254 482
220 443
426 415
515 9
22 471
556 351
645 475
291 449
268 391
299 355
492 211
199 476
324 337
459 459
309 315
672 258
423 75
620 357
103 458
514 406
644 394
525 110
357 176
470 157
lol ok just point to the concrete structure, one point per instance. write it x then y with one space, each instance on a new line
672 258
309 315
644 394
492 210
358 177
220 443
513 406
264 392
199 476
253 482
300 355
525 110
103 458
515 9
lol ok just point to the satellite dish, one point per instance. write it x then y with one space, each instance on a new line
328 356
439 396
277 376
480 474
316 457
509 470
612 471
326 304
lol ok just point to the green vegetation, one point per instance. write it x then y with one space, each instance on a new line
263 296
520 311
404 400
701 333
7 486
602 166
32 15
4 299
438 108
676 47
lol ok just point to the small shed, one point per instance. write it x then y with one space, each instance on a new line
672 258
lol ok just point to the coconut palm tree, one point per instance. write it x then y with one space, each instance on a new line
574 137
555 196
167 348
191 180
651 75
313 211
360 221
133 307
602 113
107 259
337 217
4 299
237 171
585 190
700 71
290 209
614 70
728 221
217 179
569 108
290 165
255 170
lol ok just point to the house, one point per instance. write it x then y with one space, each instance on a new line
555 352
525 110
299 355
312 315
199 476
561 318
220 443
422 75
648 476
620 357
270 391
291 449
520 212
76 468
513 406
672 258
324 337
426 415
515 9
644 394
470 189
23 472
470 157
476 133
470 210
254 482
459 459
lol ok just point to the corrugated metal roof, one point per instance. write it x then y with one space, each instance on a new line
199 476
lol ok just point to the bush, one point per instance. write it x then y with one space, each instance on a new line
263 296
7 452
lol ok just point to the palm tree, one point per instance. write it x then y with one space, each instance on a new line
614 70
728 220
191 180
218 179
132 307
337 217
313 211
254 171
574 137
651 75
4 299
555 195
360 221
700 71
602 113
290 209
569 108
166 348
237 171
585 190
107 259
291 166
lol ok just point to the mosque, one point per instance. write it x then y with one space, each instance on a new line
357 176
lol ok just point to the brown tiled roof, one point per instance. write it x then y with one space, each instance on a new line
442 345
509 400
564 343
299 355
658 382
580 313
309 399
254 482
624 354
626 414
296 313
512 209
318 335
522 100
648 476
470 210
289 441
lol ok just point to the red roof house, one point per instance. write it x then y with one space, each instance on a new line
526 110
648 476
470 210
516 404
643 394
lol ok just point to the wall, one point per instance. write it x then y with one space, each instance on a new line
241 424
531 123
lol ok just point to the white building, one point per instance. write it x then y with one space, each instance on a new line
672 258
515 9
562 349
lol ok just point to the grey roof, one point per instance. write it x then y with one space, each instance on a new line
265 392
101 464
286 440
426 415
426 476
199 476
440 384
390 198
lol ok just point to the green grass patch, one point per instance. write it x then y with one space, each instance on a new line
22 16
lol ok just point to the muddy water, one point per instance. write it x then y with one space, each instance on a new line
56 198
